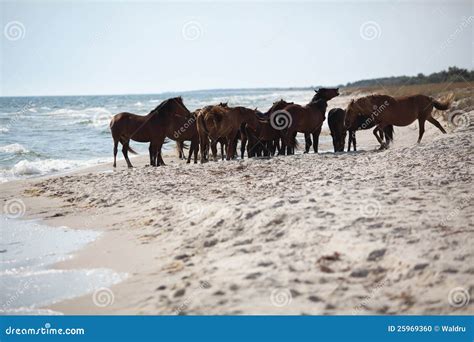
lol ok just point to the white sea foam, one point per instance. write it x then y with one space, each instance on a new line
13 148
30 168
82 113
4 129
29 249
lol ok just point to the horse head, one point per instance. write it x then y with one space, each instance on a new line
325 94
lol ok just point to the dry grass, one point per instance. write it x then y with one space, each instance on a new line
460 89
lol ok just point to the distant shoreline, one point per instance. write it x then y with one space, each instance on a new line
452 75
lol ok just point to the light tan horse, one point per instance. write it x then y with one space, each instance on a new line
384 110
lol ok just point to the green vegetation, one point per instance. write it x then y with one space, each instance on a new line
453 74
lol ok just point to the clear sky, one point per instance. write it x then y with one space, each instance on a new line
127 47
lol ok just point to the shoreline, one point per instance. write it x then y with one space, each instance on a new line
184 250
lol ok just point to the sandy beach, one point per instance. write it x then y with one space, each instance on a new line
366 232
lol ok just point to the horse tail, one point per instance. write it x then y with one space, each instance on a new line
442 105
294 142
131 150
202 123
389 132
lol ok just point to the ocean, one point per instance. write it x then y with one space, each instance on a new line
29 249
49 134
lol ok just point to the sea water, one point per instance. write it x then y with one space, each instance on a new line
28 282
43 135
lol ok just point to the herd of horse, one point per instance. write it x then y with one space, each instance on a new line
272 132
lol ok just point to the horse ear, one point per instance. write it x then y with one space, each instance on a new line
315 91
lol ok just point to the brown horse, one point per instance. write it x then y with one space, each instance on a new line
268 139
186 132
384 110
307 119
336 126
363 122
163 121
223 122
213 145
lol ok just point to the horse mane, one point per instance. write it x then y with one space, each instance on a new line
164 103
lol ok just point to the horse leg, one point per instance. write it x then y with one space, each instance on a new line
160 158
214 149
196 152
229 148
436 123
125 152
421 123
349 143
243 143
308 142
282 148
203 142
191 150
222 151
316 139
115 152
152 154
381 142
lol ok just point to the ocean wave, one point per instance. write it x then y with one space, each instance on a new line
4 129
86 112
39 167
14 148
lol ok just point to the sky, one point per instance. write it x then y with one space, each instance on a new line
134 47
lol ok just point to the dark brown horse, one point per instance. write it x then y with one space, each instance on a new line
307 119
163 121
336 126
267 140
223 122
384 110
